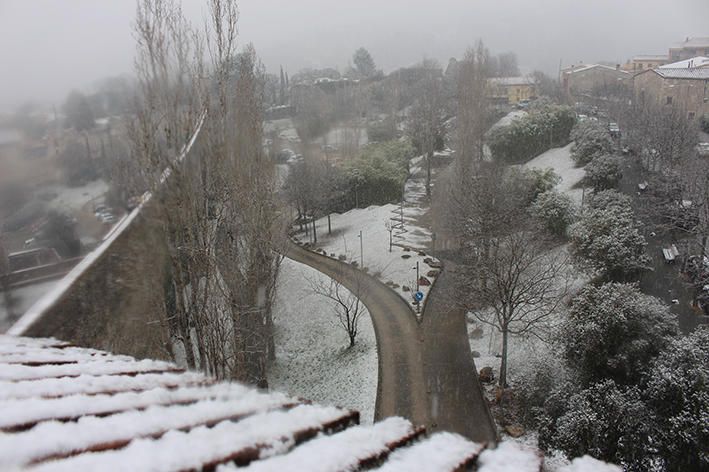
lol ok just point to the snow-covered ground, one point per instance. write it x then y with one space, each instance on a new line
71 199
560 160
343 136
396 268
23 297
312 358
509 118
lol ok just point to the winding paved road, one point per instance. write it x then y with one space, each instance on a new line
426 373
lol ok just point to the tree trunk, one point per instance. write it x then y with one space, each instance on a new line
315 233
329 224
429 158
503 364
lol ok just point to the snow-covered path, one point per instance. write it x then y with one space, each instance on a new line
560 160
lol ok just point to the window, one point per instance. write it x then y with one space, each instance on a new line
691 115
668 101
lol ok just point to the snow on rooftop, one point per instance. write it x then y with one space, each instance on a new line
341 451
132 421
443 451
509 456
699 61
701 73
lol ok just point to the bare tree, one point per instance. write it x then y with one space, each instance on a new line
473 115
347 304
524 283
215 204
426 126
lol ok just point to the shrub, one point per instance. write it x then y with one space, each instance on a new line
606 421
532 134
614 331
591 139
678 393
604 172
607 238
381 131
377 176
554 210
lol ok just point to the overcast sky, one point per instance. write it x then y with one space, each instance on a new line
48 47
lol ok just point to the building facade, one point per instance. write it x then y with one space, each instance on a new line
690 47
686 89
593 79
643 62
512 90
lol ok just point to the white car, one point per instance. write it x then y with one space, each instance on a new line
703 149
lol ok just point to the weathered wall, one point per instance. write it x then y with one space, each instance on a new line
116 302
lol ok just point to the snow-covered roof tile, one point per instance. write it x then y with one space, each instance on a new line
684 73
67 408
699 61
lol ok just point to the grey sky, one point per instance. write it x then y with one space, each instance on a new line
48 47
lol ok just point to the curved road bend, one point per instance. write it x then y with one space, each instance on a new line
401 390
426 372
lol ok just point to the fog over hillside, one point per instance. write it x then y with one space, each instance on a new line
49 48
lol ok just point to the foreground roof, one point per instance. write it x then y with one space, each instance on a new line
64 408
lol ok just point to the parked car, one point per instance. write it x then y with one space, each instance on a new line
284 155
703 149
614 129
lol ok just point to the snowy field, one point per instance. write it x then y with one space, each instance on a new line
312 359
396 268
71 199
560 160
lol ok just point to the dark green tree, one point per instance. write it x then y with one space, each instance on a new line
78 112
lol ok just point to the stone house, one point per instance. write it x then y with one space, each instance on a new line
689 48
511 90
685 88
642 62
593 79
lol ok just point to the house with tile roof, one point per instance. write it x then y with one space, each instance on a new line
690 47
645 61
593 79
684 88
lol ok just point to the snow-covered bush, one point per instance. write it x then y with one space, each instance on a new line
607 238
604 172
678 392
532 134
591 139
614 331
554 210
606 421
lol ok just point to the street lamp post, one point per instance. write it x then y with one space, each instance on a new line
417 276
361 250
